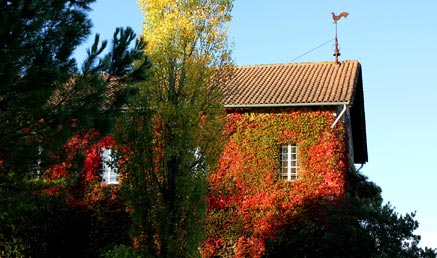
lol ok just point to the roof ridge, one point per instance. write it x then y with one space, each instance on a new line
294 63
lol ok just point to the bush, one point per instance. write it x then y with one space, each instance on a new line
121 251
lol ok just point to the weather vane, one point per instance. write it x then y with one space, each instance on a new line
336 18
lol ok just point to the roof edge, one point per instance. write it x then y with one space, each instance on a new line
287 105
297 63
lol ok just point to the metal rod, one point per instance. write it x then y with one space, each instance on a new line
336 51
339 116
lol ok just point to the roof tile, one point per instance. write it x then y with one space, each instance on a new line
293 83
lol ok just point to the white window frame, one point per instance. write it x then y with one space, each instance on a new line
37 164
289 163
108 170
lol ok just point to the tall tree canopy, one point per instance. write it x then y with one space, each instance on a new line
178 119
44 99
41 88
360 226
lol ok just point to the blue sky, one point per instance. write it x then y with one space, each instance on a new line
396 44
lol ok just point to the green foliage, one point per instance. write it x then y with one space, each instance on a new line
41 89
159 219
121 251
170 136
23 233
45 100
359 226
33 64
36 224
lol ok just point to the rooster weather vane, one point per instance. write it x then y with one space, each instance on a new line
336 18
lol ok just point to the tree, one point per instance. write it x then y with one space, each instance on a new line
171 135
34 63
44 100
39 96
360 226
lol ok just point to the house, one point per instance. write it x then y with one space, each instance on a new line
328 85
325 86
293 132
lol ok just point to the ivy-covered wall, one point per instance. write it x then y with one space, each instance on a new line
92 213
248 202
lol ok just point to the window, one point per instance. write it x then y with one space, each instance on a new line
289 166
36 166
108 171
198 166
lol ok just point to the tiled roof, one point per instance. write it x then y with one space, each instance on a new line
70 92
292 84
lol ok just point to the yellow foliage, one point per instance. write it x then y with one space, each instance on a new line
188 47
189 31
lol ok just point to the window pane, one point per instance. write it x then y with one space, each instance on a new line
289 162
108 170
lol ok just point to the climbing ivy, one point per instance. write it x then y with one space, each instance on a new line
247 200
